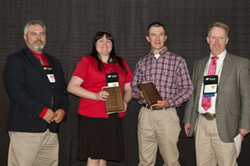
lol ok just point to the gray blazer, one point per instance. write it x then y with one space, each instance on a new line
233 99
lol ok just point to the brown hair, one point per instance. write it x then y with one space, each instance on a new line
219 25
156 24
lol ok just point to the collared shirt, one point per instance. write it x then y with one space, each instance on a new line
219 66
169 74
44 59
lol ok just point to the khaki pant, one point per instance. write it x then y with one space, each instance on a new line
33 149
158 128
210 150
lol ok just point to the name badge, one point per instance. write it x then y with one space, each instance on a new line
210 85
112 79
48 70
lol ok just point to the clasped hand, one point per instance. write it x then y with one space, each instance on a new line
56 116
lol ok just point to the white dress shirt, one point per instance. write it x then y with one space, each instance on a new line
219 67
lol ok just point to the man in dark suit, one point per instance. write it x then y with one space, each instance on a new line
36 87
219 107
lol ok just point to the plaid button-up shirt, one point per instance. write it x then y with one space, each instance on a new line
170 75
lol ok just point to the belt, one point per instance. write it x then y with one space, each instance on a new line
209 116
153 108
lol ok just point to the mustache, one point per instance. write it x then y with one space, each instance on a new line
38 41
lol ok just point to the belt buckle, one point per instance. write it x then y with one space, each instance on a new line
209 116
155 108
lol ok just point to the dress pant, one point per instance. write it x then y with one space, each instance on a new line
210 150
159 128
33 149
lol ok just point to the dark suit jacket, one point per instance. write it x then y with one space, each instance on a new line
233 99
30 91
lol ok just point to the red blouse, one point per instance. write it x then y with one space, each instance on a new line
94 80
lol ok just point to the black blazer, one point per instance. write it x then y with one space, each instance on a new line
29 91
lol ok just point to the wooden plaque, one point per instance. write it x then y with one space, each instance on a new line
150 92
114 102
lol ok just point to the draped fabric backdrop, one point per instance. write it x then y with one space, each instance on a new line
71 26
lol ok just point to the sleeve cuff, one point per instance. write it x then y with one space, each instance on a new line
42 114
171 103
64 112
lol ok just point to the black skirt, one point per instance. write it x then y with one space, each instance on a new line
100 138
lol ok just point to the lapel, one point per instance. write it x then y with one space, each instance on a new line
35 62
52 64
227 67
200 74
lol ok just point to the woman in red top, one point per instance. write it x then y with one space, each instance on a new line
100 135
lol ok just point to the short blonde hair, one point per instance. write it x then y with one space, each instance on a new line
220 25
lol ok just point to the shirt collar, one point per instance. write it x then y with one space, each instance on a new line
163 52
220 56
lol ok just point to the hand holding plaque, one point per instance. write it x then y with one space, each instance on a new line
150 92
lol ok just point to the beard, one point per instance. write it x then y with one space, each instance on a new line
36 48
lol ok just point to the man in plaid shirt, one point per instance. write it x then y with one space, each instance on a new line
159 124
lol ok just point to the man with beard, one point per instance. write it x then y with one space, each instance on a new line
36 87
